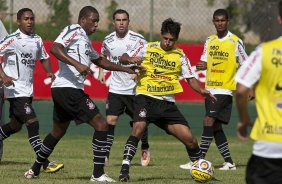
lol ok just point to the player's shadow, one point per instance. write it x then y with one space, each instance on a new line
13 163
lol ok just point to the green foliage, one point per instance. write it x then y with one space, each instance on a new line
3 5
110 11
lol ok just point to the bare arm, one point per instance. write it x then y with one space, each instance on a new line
58 51
201 65
7 80
242 96
126 59
194 84
101 76
48 68
106 64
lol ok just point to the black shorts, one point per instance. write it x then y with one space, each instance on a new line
221 109
118 104
72 104
264 170
21 109
159 112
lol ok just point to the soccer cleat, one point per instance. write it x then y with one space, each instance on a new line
103 178
145 157
124 177
53 167
228 166
30 174
187 166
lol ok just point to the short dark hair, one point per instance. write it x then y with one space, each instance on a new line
120 11
170 26
86 11
220 12
22 11
280 8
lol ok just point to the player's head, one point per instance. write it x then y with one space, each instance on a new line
169 32
220 20
121 22
88 19
25 20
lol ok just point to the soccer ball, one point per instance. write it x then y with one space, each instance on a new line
202 171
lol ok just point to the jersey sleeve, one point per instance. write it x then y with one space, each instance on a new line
42 54
139 51
204 56
240 52
105 49
249 73
186 69
68 36
6 45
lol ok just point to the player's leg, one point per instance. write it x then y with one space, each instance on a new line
130 149
114 108
183 133
207 135
47 147
145 152
1 115
219 135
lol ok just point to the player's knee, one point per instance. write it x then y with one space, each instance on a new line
208 121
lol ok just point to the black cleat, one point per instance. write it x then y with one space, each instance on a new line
124 178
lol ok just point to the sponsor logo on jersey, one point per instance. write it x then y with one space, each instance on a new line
155 88
6 44
158 60
139 49
214 64
71 38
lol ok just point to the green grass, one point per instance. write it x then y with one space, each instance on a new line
75 152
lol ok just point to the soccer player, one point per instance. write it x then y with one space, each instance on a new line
262 71
21 50
122 85
3 33
74 52
155 92
222 55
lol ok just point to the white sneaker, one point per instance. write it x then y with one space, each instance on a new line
145 157
103 178
186 166
30 174
227 166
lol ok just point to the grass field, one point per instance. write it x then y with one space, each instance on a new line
75 152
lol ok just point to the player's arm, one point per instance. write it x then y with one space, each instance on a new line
48 68
126 59
58 50
201 65
106 64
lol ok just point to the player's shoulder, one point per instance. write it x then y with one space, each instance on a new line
11 37
110 38
135 36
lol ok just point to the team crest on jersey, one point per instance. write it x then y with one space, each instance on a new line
27 108
90 104
143 113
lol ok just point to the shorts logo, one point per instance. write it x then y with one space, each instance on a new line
27 108
143 113
90 104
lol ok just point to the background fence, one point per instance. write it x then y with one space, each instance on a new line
252 20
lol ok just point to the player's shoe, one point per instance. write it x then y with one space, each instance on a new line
145 157
103 178
53 167
124 177
30 174
228 166
187 166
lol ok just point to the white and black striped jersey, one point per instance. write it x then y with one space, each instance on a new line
113 47
20 52
79 47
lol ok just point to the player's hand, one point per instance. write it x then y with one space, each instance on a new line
205 93
8 81
102 79
51 76
84 70
251 95
201 65
135 60
241 132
